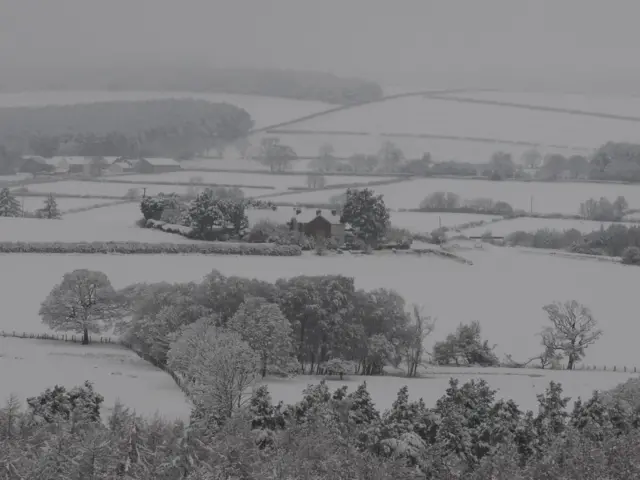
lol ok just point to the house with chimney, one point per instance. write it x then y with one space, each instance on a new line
318 223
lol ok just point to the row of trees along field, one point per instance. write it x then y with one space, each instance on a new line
306 324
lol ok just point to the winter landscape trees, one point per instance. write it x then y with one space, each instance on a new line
83 302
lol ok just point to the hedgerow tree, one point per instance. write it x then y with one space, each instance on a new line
367 214
267 331
9 206
573 330
49 209
83 302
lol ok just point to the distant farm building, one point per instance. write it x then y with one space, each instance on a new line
319 224
36 165
122 165
157 165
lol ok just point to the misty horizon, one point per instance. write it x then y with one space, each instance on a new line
545 45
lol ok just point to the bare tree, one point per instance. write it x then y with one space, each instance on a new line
83 302
419 329
573 330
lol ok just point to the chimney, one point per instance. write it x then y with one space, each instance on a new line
334 212
318 213
298 211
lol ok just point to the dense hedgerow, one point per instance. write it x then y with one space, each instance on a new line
137 248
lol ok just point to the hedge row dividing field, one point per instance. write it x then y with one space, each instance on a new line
136 248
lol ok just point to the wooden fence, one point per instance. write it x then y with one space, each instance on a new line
62 337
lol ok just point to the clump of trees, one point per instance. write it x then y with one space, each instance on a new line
451 202
465 347
175 128
604 210
275 155
49 209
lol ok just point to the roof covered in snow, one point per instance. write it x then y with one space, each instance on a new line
161 162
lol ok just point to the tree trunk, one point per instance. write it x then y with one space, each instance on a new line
85 337
571 362
264 367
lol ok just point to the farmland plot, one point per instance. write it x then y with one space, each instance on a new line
31 204
541 197
506 227
423 222
117 374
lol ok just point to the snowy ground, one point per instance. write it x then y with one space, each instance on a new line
31 204
119 190
231 161
263 110
424 115
115 224
611 104
505 227
426 222
441 149
28 367
518 384
280 182
505 289
544 197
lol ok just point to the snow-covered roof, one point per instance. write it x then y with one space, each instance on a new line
75 160
162 162
308 214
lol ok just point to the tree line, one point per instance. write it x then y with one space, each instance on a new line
175 128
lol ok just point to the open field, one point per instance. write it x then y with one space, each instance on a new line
31 204
279 182
419 115
520 385
119 190
441 149
505 290
607 104
30 366
102 225
547 197
505 227
423 222
263 110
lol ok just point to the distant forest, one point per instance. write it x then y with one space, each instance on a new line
300 85
175 128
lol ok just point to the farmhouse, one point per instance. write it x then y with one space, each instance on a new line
319 224
157 165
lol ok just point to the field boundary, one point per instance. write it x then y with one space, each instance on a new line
176 184
455 138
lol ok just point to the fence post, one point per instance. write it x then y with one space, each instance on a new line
614 368
625 368
605 368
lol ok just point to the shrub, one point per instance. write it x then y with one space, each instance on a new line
465 347
139 248
631 256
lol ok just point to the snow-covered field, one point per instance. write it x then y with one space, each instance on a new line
610 104
307 145
31 204
520 385
14 178
119 190
116 224
30 366
505 289
418 115
505 227
280 182
231 161
421 222
263 110
547 197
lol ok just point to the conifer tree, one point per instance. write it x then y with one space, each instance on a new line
9 206
49 209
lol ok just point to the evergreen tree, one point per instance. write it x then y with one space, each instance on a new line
9 206
367 214
49 209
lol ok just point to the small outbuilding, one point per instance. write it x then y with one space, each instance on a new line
157 165
36 165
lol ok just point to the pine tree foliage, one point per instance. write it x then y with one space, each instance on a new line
367 214
49 209
9 206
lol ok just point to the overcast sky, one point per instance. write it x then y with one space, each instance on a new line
393 41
